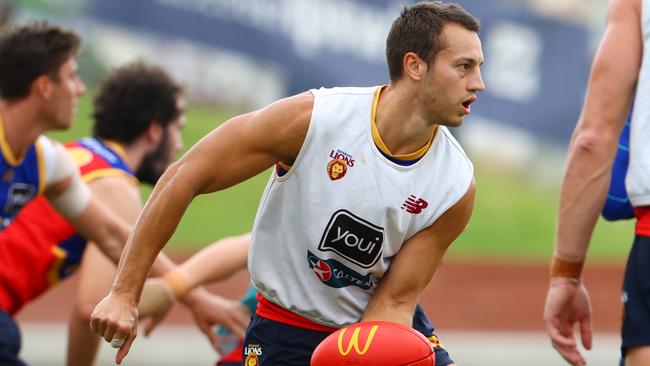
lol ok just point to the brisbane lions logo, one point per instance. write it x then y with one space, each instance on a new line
337 168
251 360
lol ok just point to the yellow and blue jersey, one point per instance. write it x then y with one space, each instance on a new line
21 178
40 247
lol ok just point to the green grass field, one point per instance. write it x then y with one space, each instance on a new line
512 220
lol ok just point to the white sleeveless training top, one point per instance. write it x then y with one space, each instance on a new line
637 180
325 232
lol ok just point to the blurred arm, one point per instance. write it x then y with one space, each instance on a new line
609 95
217 262
415 263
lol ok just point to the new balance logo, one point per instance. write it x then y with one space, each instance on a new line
414 205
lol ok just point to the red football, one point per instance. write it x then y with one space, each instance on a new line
375 343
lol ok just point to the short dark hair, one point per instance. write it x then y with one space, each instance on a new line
32 50
133 97
418 29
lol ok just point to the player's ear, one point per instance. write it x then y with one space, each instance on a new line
42 86
155 133
414 66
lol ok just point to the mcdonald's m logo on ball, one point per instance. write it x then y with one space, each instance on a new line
353 342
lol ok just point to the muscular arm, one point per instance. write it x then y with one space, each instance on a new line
611 87
588 172
237 150
415 263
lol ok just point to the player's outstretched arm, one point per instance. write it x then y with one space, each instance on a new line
216 262
237 150
416 262
587 174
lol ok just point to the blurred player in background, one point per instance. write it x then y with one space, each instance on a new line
39 91
138 115
619 74
138 112
369 190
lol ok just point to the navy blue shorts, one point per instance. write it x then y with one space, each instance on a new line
277 344
636 296
9 341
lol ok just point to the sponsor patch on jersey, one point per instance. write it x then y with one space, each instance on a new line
252 353
338 166
335 274
18 196
353 238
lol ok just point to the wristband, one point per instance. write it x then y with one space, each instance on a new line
561 268
177 283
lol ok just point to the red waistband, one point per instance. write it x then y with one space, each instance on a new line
642 220
271 311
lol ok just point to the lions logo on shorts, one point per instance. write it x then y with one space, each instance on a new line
337 168
252 353
251 360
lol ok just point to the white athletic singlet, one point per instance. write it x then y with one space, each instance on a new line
325 232
638 176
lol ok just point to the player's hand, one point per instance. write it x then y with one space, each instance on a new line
210 311
155 302
115 319
568 305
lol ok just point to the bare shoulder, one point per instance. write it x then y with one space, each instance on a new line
286 121
293 112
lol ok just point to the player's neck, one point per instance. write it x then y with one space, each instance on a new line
400 125
21 125
135 153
